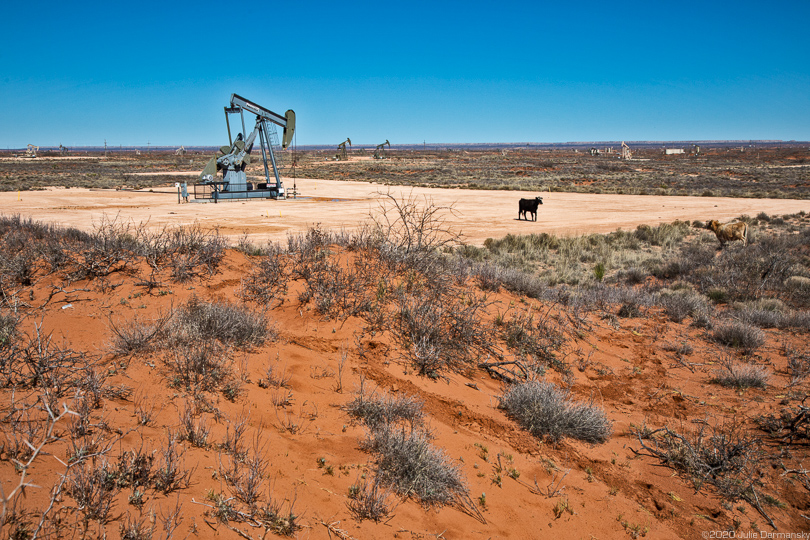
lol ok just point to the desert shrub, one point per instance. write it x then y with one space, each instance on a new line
688 260
194 251
194 427
408 233
530 246
724 456
19 267
267 281
369 500
790 425
681 349
520 282
134 468
111 247
545 410
409 464
741 376
763 315
375 410
682 303
136 336
534 337
750 273
37 362
665 234
739 335
633 275
629 310
336 292
91 483
488 277
202 366
170 474
440 330
228 323
8 328
799 288
135 528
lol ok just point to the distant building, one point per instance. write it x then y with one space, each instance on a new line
670 151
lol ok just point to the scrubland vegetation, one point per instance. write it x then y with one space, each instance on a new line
715 172
764 172
518 310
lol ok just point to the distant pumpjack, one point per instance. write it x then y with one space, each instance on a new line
342 155
379 153
626 153
32 151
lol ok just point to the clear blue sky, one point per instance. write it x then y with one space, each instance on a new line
78 73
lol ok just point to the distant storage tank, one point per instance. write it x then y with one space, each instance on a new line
670 151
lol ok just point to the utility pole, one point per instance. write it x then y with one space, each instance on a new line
105 147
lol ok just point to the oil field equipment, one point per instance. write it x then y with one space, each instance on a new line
32 151
379 153
233 159
342 155
626 152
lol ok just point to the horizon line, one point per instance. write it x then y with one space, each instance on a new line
119 147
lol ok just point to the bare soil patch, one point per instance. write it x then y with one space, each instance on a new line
478 214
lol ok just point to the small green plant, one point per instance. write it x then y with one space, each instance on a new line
136 499
599 271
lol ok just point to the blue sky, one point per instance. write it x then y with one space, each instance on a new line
78 73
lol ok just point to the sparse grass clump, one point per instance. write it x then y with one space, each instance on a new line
369 500
742 376
413 467
547 411
137 336
227 323
683 303
739 335
8 328
376 410
202 366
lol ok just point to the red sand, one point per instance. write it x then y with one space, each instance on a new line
611 491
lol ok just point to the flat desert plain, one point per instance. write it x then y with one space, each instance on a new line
477 214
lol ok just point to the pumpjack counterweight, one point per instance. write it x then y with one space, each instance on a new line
233 159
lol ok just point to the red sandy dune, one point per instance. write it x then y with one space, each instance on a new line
611 491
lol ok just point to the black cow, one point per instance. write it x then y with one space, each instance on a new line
529 205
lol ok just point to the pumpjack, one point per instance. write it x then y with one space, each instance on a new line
379 153
342 155
233 159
